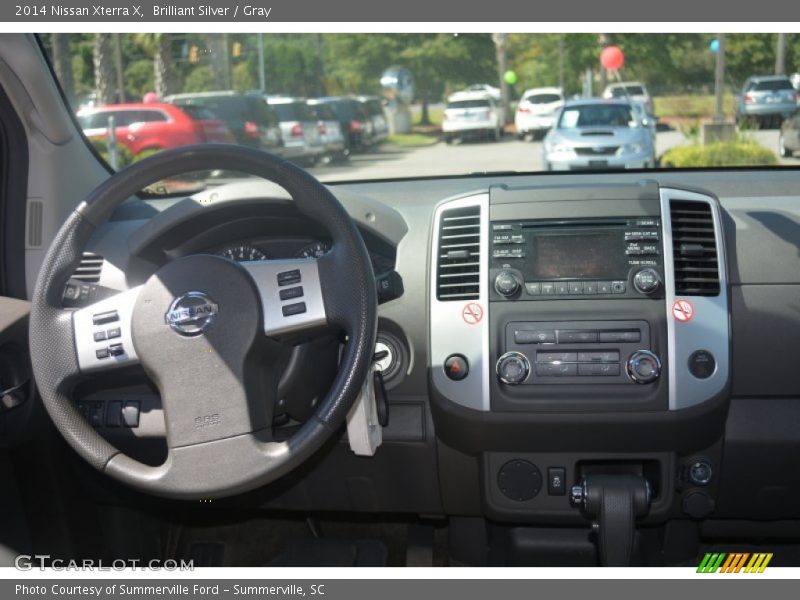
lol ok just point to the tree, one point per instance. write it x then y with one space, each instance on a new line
103 68
220 61
159 47
62 64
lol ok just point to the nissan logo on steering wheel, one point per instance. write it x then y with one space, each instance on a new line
191 314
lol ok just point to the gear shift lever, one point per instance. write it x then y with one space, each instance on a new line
613 502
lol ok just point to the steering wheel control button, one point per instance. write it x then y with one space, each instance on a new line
294 309
647 281
702 364
289 277
456 367
99 336
289 293
101 353
556 481
191 314
643 367
116 350
507 284
534 336
105 317
519 480
114 332
700 472
513 368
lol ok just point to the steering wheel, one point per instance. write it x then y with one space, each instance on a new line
204 328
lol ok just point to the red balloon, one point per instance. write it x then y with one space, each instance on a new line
612 58
150 98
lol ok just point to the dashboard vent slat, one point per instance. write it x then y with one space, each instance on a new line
694 249
89 268
458 273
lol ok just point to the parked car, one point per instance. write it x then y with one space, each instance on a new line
330 131
471 114
374 109
153 126
537 111
766 100
599 134
484 88
353 120
301 136
630 90
789 138
248 117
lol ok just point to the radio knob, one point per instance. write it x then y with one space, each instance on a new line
513 368
647 281
643 367
507 283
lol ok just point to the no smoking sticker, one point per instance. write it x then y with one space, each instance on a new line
682 310
472 313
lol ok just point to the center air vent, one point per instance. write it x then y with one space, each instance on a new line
458 254
694 249
89 269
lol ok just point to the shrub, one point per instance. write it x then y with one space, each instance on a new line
720 154
124 156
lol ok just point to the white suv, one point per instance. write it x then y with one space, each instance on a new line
472 114
630 90
537 111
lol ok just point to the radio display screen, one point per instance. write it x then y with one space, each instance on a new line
578 255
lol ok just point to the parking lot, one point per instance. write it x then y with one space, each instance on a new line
510 154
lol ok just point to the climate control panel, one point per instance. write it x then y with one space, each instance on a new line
583 352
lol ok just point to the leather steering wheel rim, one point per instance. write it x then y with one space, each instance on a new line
202 465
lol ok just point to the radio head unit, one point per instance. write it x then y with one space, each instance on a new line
591 258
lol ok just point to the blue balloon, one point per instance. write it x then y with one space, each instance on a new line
714 45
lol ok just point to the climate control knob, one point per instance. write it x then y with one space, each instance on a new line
507 283
513 368
647 281
643 367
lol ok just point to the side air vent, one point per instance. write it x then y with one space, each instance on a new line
694 249
89 269
458 254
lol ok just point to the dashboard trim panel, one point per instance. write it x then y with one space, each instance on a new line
709 328
449 332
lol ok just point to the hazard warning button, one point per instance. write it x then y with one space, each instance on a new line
456 367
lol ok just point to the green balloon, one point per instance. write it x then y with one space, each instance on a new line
510 77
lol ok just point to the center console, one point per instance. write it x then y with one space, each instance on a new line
577 332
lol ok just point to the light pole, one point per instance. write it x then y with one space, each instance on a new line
719 80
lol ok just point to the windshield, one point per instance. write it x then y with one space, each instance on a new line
542 98
597 115
408 105
628 90
770 85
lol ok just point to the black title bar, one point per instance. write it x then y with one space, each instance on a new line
389 11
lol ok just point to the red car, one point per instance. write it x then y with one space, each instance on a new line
154 126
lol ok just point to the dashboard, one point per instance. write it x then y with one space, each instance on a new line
569 325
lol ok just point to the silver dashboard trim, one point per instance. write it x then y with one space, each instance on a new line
709 328
265 274
449 333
